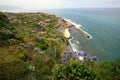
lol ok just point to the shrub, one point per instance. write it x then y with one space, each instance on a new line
73 71
109 70
14 70
23 56
43 66
3 20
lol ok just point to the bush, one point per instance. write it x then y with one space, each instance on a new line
15 70
43 66
73 71
23 56
3 20
42 45
109 70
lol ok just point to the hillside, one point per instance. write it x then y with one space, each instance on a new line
32 47
30 40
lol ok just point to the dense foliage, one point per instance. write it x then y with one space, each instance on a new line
32 46
73 70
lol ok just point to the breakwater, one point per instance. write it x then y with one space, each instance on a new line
79 29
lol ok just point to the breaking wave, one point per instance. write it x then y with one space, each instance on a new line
78 26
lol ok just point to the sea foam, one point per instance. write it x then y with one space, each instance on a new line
74 46
73 23
78 26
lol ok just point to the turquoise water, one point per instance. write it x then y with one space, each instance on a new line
102 24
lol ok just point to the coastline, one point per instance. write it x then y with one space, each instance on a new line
69 38
77 27
71 47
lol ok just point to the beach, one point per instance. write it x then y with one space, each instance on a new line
79 29
71 26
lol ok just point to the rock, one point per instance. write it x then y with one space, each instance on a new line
25 22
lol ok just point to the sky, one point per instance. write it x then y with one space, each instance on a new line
55 4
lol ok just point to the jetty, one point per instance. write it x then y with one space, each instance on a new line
72 25
81 31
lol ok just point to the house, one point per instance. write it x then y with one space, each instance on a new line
68 24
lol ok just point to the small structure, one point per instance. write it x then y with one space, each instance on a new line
47 20
59 23
33 31
41 23
69 24
41 33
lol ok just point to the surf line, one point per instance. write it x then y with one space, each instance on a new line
80 30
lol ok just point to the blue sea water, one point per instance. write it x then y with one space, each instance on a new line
102 24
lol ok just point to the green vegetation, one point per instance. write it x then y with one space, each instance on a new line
74 70
32 46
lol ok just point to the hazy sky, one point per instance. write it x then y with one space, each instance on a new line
48 4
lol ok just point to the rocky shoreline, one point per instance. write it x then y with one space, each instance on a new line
70 26
73 25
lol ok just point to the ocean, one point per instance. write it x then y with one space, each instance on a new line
103 24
